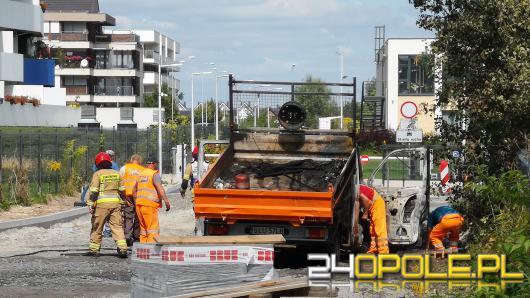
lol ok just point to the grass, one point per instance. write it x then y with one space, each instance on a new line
397 169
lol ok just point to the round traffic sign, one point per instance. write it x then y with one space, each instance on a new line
409 109
364 159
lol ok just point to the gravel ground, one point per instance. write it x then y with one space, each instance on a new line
69 273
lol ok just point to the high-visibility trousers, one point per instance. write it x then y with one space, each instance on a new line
149 226
450 224
378 232
114 218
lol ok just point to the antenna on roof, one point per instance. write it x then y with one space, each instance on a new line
379 43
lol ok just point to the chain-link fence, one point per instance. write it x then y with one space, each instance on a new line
40 159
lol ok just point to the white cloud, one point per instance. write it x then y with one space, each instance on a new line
133 23
285 9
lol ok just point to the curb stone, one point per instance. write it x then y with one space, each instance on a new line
44 221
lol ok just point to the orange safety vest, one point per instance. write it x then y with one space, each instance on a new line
132 171
146 194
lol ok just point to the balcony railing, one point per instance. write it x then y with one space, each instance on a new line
76 90
69 36
114 90
151 54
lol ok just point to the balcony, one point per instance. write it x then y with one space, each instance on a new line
114 91
11 67
151 56
69 36
21 16
77 90
39 72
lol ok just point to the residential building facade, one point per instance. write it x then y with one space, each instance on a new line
159 49
95 68
405 73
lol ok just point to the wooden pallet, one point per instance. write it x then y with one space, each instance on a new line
252 289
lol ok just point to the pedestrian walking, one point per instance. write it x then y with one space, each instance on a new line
375 212
445 221
129 174
149 196
106 197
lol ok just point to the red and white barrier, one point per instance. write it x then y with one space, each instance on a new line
445 175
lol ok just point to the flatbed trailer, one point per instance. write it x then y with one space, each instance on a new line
312 214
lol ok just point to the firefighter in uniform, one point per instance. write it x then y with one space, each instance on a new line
149 193
191 174
374 211
105 203
129 174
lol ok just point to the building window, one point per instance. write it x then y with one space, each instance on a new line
415 75
74 81
122 59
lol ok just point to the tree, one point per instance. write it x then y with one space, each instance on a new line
209 112
151 101
483 67
316 105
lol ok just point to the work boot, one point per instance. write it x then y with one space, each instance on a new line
93 253
122 253
130 242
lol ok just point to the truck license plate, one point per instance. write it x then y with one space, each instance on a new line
267 230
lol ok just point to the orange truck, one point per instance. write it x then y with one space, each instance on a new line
301 173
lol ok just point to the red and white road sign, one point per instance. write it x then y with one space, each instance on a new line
364 159
409 109
444 172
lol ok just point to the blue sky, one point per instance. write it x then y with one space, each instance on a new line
261 39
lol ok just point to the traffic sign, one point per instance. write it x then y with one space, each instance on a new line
409 136
444 172
364 159
409 109
456 154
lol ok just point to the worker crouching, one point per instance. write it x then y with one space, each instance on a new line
444 221
374 211
149 192
105 203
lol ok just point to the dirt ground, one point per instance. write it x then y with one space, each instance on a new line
54 205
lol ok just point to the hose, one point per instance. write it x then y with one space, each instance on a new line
51 250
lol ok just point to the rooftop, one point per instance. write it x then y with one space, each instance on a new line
90 6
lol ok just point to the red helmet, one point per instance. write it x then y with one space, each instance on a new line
101 157
195 152
367 191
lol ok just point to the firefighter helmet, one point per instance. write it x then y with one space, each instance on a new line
101 157
195 152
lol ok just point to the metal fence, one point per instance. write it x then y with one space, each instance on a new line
41 150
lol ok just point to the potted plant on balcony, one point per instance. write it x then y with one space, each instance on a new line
41 49
21 100
10 99
35 102
43 6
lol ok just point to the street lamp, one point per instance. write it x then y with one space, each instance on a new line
192 141
160 111
217 105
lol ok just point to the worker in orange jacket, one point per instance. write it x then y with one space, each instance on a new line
149 193
129 175
445 221
374 211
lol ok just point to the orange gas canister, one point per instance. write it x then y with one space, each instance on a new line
242 181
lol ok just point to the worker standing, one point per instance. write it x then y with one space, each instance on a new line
374 211
106 197
442 221
129 174
149 192
191 174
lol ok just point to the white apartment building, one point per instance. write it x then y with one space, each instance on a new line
95 68
159 49
28 95
402 75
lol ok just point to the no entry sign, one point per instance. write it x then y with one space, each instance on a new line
364 159
409 109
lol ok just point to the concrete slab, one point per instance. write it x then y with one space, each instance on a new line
44 221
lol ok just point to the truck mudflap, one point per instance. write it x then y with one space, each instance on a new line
295 207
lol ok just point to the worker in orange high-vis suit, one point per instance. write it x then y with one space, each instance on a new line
129 174
106 198
442 221
149 193
374 211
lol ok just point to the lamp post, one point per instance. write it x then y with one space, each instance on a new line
160 111
192 140
217 105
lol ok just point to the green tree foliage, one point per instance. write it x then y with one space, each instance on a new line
316 105
208 111
483 57
151 101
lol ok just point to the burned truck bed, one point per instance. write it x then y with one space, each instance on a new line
298 175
